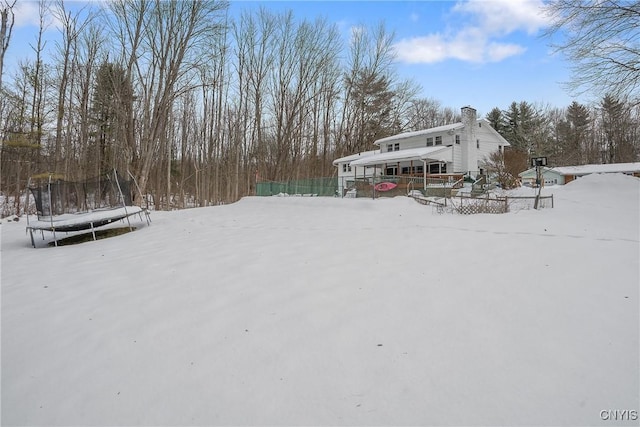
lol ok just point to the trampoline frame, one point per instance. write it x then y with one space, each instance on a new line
82 221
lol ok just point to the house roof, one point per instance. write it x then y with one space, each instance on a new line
438 130
405 135
531 172
589 169
437 153
356 156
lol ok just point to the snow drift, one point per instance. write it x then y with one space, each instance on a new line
325 311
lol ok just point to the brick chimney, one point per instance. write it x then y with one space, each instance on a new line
469 138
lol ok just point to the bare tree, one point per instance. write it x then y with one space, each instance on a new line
164 42
7 19
425 113
495 166
255 39
89 48
73 25
37 77
601 41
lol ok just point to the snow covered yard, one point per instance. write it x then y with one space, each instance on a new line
323 311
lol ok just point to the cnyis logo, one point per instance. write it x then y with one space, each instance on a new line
618 415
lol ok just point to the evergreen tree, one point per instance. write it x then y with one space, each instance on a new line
617 131
497 120
573 134
373 100
526 129
112 104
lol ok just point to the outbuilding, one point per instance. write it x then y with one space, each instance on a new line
564 174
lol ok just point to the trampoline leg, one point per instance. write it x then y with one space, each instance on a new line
33 243
93 232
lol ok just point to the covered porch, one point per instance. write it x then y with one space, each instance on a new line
417 168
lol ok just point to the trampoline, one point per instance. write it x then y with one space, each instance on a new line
82 206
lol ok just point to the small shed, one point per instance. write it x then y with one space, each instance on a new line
565 174
549 177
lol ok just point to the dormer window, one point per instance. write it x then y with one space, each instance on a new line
389 147
430 141
458 139
396 146
438 140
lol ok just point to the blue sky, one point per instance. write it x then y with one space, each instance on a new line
484 53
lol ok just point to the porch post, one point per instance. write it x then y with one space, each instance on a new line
424 174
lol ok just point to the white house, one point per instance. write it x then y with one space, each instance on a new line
564 174
445 151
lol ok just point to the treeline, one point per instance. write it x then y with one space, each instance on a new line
199 106
608 132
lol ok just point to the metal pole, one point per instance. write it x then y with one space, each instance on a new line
539 182
124 205
53 228
26 202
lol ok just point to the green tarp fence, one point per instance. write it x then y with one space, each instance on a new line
309 186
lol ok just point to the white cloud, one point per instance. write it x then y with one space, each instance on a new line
496 52
504 16
26 13
479 30
414 17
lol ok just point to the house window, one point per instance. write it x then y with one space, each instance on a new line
344 167
438 140
458 139
435 168
396 146
406 170
391 170
500 148
477 143
430 142
389 147
479 125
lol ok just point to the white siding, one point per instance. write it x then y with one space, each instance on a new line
488 143
413 142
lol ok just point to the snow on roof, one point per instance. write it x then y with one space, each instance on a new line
438 153
405 135
588 169
356 156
